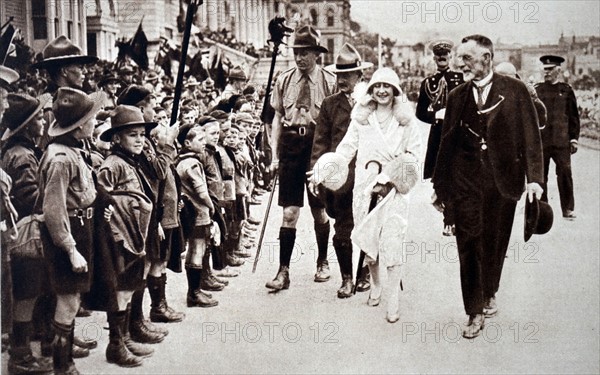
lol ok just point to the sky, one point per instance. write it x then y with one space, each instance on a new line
524 22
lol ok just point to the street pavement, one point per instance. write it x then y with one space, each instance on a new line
548 320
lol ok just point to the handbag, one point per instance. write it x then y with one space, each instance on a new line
27 243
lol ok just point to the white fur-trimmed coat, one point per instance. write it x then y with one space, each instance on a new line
397 147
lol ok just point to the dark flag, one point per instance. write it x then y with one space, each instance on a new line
138 48
5 42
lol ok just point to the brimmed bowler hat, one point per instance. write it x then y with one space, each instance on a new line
60 52
538 218
348 60
125 116
307 37
72 108
21 109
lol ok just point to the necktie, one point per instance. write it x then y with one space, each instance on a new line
303 99
480 90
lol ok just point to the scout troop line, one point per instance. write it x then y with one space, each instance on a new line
123 200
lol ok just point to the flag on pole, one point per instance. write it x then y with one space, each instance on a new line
139 47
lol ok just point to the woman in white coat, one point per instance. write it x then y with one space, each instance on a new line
384 138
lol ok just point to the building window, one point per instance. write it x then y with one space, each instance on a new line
314 17
70 29
38 16
330 47
330 17
169 33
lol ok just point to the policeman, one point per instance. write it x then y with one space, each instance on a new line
297 97
561 133
431 108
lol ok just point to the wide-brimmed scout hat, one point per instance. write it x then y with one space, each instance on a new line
60 52
385 75
72 108
237 73
133 94
348 60
538 218
126 116
152 76
21 109
191 82
307 37
8 76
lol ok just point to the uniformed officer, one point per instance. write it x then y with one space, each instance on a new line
297 97
561 133
431 108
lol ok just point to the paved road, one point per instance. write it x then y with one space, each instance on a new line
548 320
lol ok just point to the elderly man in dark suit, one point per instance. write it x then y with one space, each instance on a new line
490 149
332 125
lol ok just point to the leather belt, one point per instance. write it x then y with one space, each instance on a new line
301 130
85 213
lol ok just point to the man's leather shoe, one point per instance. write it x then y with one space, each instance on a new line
227 272
490 308
242 253
322 274
164 314
217 280
210 284
233 261
281 281
345 290
253 221
29 364
569 215
198 299
139 332
79 352
83 313
474 326
87 344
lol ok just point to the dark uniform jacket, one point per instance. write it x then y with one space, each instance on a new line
563 115
513 138
332 124
433 96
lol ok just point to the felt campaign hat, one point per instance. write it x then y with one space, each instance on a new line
21 109
72 108
307 37
331 170
123 117
348 60
237 73
60 52
8 76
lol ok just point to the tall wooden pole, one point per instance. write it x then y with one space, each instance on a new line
189 17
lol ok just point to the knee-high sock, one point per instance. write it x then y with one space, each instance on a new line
287 238
322 234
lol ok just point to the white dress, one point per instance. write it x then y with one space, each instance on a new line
396 145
